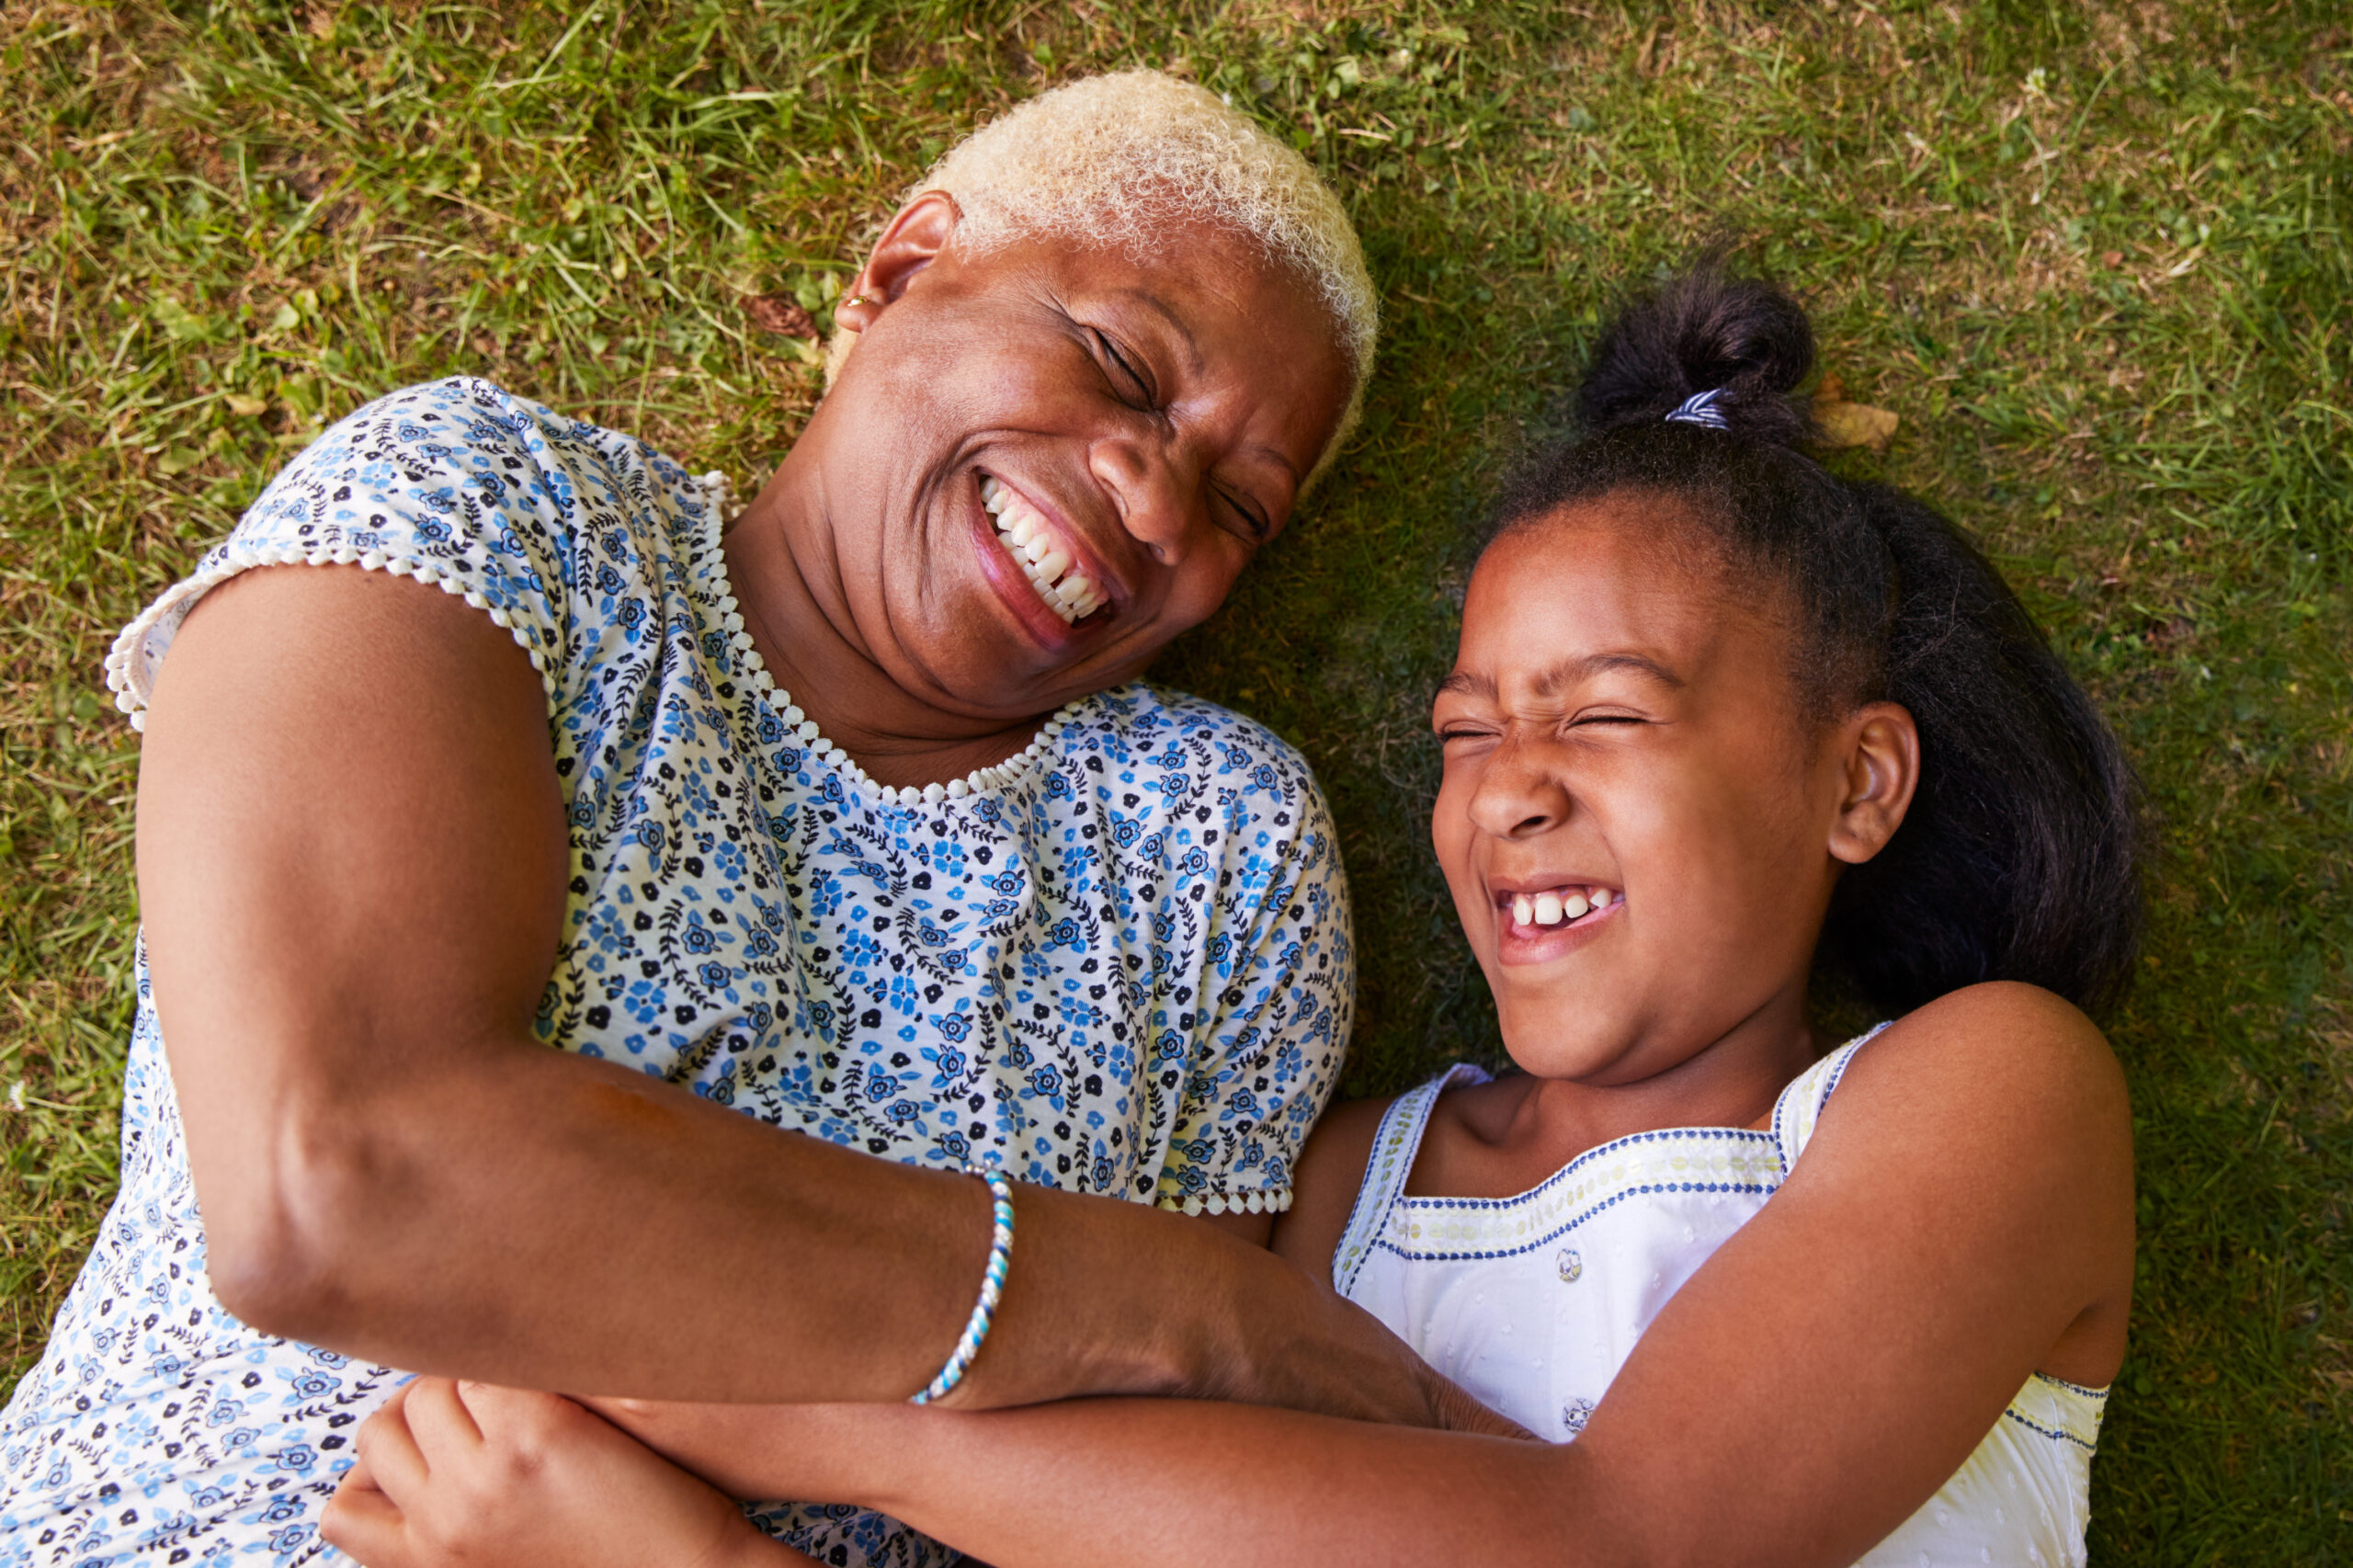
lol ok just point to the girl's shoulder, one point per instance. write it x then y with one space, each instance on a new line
1325 1182
1994 1120
1997 1046
1337 1171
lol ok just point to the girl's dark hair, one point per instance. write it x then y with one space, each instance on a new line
2018 860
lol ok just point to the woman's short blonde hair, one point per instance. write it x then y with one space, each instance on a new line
1116 160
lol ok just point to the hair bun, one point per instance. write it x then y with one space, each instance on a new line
1704 329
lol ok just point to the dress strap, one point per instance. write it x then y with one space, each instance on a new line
1798 1110
1393 1148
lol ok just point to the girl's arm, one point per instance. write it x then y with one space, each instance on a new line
1961 1219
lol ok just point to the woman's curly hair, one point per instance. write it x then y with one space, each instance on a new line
1117 160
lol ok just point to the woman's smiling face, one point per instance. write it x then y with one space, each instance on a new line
1040 464
1623 737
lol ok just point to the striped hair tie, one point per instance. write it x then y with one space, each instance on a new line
1701 408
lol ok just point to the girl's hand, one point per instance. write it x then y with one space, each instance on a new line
454 1474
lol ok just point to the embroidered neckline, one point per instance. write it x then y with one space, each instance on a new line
721 597
1620 1145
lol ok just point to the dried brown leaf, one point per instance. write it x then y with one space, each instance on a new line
1855 425
781 314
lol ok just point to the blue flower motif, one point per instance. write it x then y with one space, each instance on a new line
745 919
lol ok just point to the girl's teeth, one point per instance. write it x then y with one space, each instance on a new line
1553 908
1076 587
1054 564
1035 549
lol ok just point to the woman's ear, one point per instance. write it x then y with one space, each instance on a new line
917 234
1879 770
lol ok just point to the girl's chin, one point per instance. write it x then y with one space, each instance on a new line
1568 1047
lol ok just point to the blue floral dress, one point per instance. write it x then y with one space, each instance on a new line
1120 963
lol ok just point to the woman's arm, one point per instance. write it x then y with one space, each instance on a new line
1962 1216
352 863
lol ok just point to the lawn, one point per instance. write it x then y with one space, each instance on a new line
2094 257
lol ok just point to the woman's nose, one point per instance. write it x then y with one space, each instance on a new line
1516 796
1158 491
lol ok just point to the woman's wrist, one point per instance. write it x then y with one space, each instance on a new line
1105 1299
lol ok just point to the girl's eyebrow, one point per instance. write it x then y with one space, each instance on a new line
1568 672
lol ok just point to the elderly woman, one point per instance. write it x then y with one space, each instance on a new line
479 736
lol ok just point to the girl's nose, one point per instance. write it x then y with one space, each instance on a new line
1516 796
1156 490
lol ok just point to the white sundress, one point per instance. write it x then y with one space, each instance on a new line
1123 966
1532 1303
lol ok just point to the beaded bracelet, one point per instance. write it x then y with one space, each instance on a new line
976 1329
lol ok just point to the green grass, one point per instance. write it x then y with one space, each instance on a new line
2096 257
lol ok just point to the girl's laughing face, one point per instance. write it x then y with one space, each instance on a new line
1640 821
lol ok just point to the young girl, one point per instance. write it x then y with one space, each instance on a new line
1722 722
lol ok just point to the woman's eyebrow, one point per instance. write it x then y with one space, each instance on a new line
1272 455
1159 307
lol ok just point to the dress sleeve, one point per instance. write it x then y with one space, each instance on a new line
454 483
1278 989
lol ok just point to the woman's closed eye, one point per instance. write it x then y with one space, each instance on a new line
1248 519
1127 373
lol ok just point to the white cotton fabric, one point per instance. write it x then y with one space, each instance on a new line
1532 1303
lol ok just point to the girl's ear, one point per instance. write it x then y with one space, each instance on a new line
1879 770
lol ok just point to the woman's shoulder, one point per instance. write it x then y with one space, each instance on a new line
463 442
1152 731
1147 719
533 518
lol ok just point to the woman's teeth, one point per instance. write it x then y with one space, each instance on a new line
1033 548
1553 906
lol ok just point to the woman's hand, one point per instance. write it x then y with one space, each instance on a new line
452 1474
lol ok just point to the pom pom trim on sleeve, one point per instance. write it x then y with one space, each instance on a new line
1254 1203
138 652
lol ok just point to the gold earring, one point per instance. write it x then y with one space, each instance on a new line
858 300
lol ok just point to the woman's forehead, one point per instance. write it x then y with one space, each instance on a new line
1195 268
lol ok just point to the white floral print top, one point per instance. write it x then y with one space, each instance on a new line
1120 965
